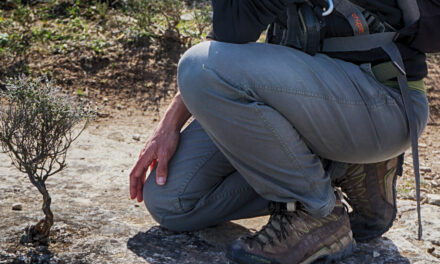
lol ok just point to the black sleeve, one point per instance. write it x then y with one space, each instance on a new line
241 21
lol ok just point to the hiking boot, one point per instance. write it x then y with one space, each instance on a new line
295 236
370 190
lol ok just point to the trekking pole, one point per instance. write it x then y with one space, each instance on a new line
329 9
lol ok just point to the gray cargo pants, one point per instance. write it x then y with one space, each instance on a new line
266 115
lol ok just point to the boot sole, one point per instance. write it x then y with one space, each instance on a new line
320 257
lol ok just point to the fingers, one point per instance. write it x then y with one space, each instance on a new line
139 188
162 170
133 185
138 173
158 151
134 182
152 165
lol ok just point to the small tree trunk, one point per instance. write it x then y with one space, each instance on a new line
41 231
48 220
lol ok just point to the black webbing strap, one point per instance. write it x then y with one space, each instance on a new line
394 54
274 33
291 37
365 42
357 43
386 42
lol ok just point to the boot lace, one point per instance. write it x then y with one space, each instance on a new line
353 185
281 225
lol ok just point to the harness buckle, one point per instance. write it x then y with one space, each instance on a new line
330 8
402 71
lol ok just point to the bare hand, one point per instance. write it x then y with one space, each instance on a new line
158 150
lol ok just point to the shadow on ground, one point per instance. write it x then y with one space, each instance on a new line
40 254
158 245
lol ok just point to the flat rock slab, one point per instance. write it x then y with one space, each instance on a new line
159 245
95 222
399 245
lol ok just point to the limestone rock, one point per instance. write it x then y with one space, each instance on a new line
434 199
136 137
17 207
96 222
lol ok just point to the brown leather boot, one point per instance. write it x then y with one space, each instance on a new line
371 191
296 237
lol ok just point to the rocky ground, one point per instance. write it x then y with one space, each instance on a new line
96 222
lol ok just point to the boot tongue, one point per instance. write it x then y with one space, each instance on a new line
278 207
291 207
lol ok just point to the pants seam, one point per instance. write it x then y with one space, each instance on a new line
265 122
240 90
227 194
330 99
196 169
243 88
284 146
243 92
203 203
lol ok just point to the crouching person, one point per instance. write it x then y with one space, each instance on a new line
275 129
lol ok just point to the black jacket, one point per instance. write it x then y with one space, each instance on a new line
242 21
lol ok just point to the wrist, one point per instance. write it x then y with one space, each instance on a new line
176 115
170 123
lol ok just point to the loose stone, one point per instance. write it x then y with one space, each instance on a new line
434 199
17 207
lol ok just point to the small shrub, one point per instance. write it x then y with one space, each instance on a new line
197 27
36 129
165 19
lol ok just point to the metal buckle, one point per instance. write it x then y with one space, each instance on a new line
402 71
330 8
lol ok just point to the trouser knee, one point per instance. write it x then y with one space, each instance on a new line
165 208
193 76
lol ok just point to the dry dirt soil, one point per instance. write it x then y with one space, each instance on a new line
96 222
